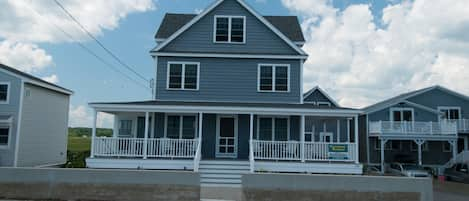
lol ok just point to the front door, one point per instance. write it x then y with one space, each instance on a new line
227 134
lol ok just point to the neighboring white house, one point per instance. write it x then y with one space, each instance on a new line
33 120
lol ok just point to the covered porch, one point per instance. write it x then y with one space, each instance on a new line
285 138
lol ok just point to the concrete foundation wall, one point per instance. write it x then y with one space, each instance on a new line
90 184
285 187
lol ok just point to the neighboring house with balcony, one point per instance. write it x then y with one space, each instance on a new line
228 95
429 127
33 120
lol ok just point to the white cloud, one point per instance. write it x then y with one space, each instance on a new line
52 79
80 116
24 56
26 23
421 43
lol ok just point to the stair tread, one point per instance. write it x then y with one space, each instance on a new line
229 176
221 181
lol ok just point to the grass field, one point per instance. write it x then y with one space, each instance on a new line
78 144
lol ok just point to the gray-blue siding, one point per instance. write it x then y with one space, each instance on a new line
12 109
259 38
229 80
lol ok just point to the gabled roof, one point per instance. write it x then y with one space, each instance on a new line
35 80
403 98
317 88
212 7
288 25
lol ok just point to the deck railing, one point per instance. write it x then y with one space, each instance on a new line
413 128
313 151
463 125
133 147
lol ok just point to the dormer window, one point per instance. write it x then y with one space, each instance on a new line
230 29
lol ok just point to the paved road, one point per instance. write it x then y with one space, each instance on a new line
450 191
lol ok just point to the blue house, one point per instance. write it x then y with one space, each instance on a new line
27 139
229 99
429 127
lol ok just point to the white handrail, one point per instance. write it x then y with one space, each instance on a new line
198 155
412 128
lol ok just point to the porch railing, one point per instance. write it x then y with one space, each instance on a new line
463 125
313 151
133 147
443 128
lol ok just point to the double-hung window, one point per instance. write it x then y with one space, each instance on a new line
273 128
450 113
230 29
181 126
402 114
4 135
273 78
4 90
183 76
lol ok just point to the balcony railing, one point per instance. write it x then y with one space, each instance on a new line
463 125
134 147
413 128
313 151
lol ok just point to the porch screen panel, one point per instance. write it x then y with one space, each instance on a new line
190 76
281 129
175 76
188 127
172 130
265 129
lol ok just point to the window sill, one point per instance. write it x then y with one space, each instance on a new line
260 91
232 43
168 89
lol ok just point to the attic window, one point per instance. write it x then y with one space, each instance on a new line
230 29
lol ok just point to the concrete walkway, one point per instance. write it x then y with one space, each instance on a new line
220 194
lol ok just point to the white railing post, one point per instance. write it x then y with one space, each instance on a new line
145 137
251 147
302 138
93 133
356 140
431 128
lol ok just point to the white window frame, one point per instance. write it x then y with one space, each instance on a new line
442 108
7 146
323 135
181 119
7 101
230 17
218 154
274 67
320 103
273 126
183 70
401 109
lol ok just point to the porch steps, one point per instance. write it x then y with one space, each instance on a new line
222 173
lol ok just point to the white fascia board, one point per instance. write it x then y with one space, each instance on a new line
216 55
220 109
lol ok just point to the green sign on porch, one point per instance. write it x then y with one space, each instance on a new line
338 148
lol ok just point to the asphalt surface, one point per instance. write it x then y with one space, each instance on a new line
450 191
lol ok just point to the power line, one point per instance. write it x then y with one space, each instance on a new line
99 43
112 67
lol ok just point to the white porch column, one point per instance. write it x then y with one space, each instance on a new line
302 137
383 143
145 137
356 141
338 130
93 133
152 125
419 148
251 135
200 127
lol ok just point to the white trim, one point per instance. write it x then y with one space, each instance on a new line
9 127
181 119
155 90
183 72
425 146
274 68
18 125
401 110
273 117
319 103
209 9
230 18
222 55
301 81
44 85
440 108
299 43
159 40
161 164
7 101
323 135
217 144
323 93
421 107
226 110
299 167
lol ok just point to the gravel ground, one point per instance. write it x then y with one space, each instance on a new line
450 191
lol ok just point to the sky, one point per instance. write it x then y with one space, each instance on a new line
360 51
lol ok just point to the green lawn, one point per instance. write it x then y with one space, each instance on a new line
78 144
